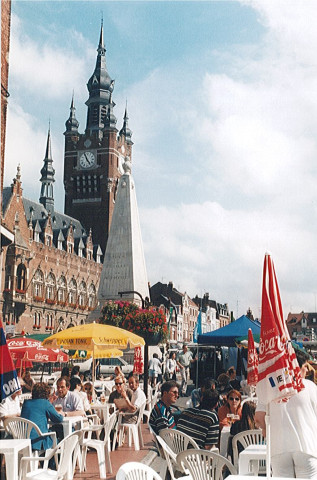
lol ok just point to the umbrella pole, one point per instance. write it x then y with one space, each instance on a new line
268 441
197 362
146 369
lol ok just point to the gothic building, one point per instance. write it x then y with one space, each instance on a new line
51 270
93 159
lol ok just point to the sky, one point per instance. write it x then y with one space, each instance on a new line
222 102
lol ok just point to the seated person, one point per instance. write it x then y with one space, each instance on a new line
10 407
231 407
207 384
27 382
71 403
223 387
39 410
75 372
120 394
247 422
89 390
201 423
137 399
76 386
234 382
161 415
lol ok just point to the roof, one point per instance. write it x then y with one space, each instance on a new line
226 336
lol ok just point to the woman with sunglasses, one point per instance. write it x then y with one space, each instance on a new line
230 410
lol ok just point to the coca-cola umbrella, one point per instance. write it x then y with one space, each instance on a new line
253 361
279 373
27 349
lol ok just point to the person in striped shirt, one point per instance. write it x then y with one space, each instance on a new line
161 415
202 423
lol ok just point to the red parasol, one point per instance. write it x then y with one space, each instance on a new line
279 373
138 361
31 350
253 361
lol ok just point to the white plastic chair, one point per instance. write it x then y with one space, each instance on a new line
151 401
65 469
134 429
205 465
162 463
101 446
246 438
177 441
20 427
172 464
136 471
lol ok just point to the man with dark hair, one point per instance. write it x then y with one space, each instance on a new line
161 415
207 384
201 423
71 403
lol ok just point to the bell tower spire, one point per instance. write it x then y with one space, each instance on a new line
100 87
47 177
125 130
72 123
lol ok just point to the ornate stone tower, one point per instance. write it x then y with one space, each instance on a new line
93 160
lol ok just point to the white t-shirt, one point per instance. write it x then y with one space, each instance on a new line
293 424
155 365
170 365
10 407
138 397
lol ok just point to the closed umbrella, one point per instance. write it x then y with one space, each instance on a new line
279 374
253 361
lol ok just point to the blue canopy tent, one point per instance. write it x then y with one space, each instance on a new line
225 336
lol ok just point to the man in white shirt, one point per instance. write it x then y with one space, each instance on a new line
183 360
10 407
293 428
72 405
137 399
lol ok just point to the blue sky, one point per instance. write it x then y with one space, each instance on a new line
222 105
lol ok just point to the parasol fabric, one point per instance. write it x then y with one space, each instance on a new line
38 354
92 335
253 361
138 365
98 353
279 373
9 382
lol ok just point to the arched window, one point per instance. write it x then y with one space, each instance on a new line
38 284
37 320
50 288
91 296
49 321
72 292
82 294
62 290
21 278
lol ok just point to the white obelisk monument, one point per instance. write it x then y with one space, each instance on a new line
124 267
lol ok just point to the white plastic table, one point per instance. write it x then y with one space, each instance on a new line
10 449
224 439
251 452
103 410
68 423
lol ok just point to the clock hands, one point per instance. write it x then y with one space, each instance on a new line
87 158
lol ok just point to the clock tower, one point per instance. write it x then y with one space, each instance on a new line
93 160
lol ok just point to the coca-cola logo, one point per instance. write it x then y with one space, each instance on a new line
270 346
252 357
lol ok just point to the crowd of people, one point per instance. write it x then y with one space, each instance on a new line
216 404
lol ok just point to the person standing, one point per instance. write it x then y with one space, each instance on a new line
293 428
201 423
171 366
155 368
184 359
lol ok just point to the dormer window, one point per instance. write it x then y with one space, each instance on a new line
70 248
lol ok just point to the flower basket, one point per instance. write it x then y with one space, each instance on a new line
22 292
38 299
149 323
73 305
50 301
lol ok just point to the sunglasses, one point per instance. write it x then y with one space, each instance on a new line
174 392
118 383
234 398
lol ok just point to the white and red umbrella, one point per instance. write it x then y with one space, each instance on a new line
28 349
279 373
253 361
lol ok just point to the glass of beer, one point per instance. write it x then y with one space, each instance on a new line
59 408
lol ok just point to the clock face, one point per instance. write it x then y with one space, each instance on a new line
87 160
